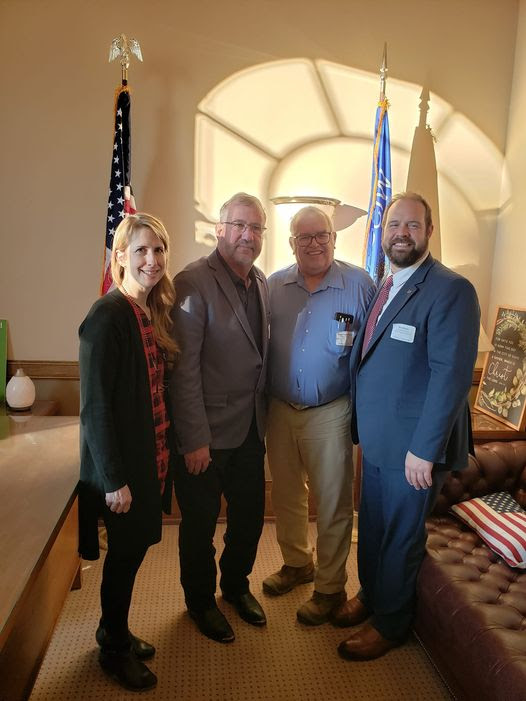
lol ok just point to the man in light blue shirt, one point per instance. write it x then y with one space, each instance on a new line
317 306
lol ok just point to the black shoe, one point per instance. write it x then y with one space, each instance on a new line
142 649
213 624
126 669
247 607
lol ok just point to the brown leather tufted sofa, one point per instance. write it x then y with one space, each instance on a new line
471 611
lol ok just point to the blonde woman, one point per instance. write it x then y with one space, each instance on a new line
125 349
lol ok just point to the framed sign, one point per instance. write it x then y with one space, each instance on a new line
502 389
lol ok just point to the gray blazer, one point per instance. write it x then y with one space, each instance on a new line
219 377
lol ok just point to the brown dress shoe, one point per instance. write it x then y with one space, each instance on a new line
366 644
351 613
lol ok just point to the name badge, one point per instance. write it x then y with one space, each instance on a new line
344 338
403 332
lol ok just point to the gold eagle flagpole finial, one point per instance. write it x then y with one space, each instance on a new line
123 47
383 74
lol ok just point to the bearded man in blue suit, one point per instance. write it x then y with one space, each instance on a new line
412 366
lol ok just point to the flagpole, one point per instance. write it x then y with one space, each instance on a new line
383 74
373 256
120 196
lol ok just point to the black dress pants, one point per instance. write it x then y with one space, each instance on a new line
238 474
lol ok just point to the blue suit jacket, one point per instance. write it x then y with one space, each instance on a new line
413 395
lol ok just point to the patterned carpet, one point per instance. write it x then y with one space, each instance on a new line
283 662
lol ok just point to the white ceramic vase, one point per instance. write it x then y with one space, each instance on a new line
20 391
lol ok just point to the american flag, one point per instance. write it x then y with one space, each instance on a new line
501 523
120 196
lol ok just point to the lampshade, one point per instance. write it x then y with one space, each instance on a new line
342 215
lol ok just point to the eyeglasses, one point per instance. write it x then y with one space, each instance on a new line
241 226
304 240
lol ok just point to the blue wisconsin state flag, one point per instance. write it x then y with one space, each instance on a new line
373 257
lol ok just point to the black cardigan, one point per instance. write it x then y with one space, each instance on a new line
117 437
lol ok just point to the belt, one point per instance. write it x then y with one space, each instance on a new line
302 407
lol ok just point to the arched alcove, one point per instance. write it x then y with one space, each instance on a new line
302 127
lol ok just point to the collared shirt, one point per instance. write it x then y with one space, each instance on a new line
309 349
249 299
399 279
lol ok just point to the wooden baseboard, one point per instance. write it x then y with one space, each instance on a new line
45 369
69 369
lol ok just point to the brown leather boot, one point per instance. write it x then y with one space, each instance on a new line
287 578
317 609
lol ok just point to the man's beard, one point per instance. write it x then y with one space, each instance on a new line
230 250
404 258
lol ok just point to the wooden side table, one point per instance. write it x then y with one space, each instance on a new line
486 428
42 407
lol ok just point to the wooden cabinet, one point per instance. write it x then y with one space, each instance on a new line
39 468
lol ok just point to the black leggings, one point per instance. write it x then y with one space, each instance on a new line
118 578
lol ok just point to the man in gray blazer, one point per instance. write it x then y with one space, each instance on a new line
221 320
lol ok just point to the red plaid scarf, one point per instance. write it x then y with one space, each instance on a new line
155 365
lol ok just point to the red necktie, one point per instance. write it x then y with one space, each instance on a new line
375 312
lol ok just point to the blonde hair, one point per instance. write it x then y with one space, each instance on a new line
162 297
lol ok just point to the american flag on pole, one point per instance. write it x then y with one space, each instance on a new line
373 255
501 523
120 196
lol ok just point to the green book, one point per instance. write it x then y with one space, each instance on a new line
3 359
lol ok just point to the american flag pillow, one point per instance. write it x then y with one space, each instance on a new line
500 522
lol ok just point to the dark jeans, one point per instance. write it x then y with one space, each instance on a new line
238 474
118 578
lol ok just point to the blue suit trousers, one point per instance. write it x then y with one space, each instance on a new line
391 545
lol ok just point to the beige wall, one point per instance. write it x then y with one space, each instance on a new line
56 130
509 269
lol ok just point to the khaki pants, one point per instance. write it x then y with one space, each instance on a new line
313 445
